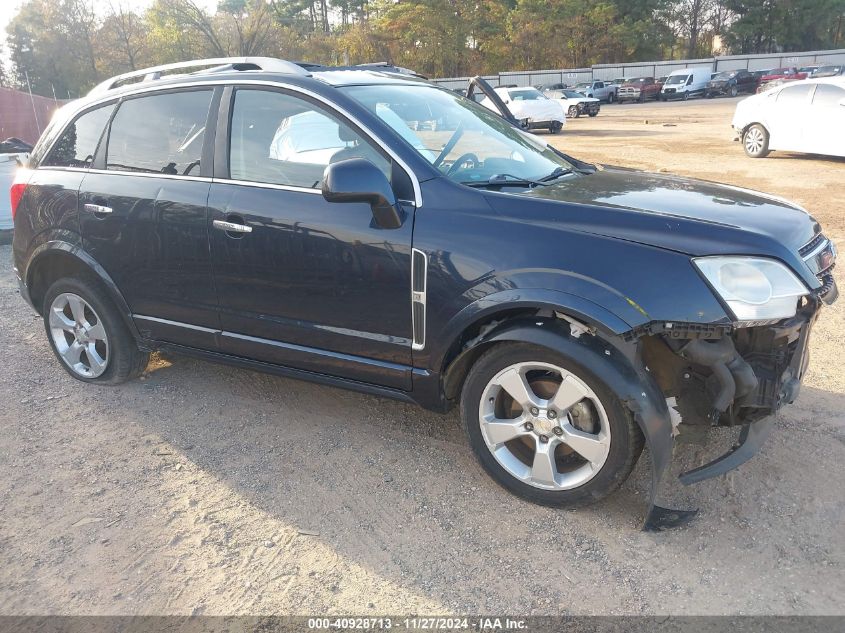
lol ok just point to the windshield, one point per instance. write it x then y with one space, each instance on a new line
638 80
676 79
571 94
465 141
580 87
725 75
527 94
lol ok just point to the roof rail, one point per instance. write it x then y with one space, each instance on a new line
270 64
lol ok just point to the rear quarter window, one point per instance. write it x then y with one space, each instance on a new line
78 143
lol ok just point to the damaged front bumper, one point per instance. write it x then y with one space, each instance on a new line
730 376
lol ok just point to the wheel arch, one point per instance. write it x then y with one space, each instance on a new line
55 259
469 335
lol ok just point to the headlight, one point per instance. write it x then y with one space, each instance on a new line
754 288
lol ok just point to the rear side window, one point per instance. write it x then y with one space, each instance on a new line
827 95
160 134
78 143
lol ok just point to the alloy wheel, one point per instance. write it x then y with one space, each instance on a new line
544 425
754 140
79 335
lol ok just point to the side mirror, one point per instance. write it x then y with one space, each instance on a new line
358 180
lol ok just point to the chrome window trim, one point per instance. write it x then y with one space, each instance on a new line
267 185
418 201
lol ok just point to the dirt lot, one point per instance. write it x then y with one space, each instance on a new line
203 489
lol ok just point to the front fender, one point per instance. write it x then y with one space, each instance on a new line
619 366
487 306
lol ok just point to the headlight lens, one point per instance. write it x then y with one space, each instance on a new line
754 288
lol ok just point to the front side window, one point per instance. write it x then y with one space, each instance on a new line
160 133
793 95
78 143
278 138
468 143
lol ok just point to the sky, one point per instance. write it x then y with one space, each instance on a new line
8 8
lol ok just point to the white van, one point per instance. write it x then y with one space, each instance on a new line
685 83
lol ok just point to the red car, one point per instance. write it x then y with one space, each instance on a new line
779 76
784 73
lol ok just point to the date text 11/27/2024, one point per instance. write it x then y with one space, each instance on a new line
418 624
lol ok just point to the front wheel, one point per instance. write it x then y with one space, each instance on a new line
555 127
573 112
547 429
734 91
755 141
611 98
686 96
88 335
594 113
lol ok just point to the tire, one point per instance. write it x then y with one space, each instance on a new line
611 97
755 141
641 98
109 353
592 114
686 95
573 112
611 436
734 91
555 127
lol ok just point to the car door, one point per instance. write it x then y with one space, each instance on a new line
143 213
303 282
785 115
825 126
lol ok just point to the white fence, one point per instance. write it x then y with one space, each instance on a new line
607 72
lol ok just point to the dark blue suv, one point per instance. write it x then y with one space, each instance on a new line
369 230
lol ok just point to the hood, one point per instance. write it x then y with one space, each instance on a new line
694 217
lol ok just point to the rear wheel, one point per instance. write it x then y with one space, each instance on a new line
545 428
573 112
88 335
755 141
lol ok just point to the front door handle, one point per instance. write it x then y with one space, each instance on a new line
98 209
231 227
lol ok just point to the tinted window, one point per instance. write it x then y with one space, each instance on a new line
281 139
161 133
793 95
77 144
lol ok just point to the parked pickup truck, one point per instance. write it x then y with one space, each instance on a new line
639 89
601 90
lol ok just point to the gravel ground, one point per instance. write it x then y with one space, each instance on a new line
203 489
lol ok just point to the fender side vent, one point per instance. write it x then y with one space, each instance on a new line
419 278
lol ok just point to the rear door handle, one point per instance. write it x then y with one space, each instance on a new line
98 209
231 227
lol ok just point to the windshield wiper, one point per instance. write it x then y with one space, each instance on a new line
505 180
557 173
